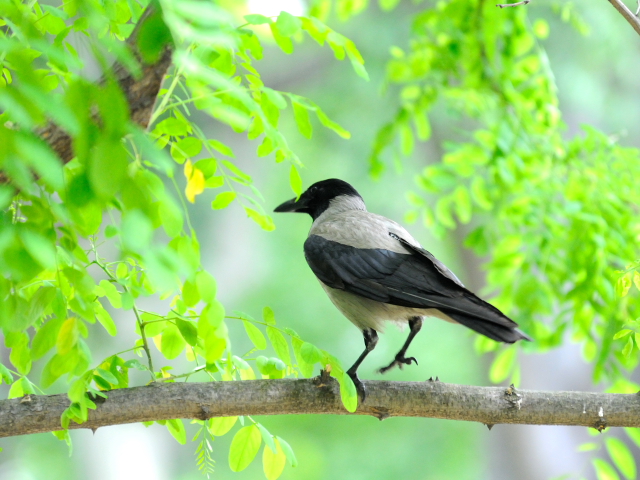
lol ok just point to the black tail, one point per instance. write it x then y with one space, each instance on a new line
482 317
495 331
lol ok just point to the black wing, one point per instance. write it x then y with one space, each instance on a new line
415 279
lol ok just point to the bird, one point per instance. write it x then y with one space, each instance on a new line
375 272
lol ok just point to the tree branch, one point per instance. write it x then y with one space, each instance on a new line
488 405
627 14
140 92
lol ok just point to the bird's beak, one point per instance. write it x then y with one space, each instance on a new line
292 205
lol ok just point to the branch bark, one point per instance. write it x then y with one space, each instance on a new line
141 92
627 14
488 405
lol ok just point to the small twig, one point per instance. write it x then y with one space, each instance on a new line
183 375
627 14
136 312
503 5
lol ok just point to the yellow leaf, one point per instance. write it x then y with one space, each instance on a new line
195 181
67 336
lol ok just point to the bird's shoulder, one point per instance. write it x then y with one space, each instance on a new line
362 229
357 235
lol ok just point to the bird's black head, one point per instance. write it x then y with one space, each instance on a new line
317 197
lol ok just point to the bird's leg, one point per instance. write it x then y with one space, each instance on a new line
370 341
415 324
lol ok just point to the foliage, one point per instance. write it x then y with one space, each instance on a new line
555 218
85 239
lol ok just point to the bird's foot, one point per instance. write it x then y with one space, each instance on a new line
399 362
362 392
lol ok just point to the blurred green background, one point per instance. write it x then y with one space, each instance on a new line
598 79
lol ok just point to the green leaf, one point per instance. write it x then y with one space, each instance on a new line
255 335
348 393
257 19
112 294
190 294
172 343
220 425
221 147
16 389
107 167
223 200
305 368
67 336
623 285
105 319
463 204
5 375
285 43
184 148
176 428
41 249
622 457
502 365
301 115
20 355
188 331
628 348
360 70
176 127
310 353
273 461
622 333
171 218
634 434
267 438
265 221
275 97
214 313
206 286
154 35
288 451
280 344
265 148
541 28
330 124
295 181
214 182
215 339
288 24
604 470
587 447
108 376
46 338
422 125
42 159
244 447
268 316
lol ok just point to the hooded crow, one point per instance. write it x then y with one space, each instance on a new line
374 271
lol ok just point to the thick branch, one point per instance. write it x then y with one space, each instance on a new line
627 14
488 405
140 92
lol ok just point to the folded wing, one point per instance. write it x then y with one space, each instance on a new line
414 279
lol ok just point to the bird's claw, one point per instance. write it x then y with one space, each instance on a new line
399 362
362 392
